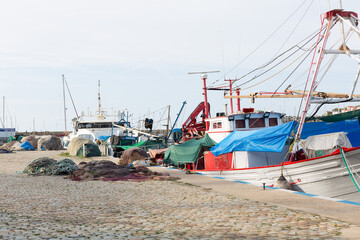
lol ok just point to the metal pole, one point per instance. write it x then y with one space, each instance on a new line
231 100
167 124
204 77
172 128
99 100
3 111
313 81
63 78
238 100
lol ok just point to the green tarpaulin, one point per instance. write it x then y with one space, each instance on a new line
187 151
146 145
139 144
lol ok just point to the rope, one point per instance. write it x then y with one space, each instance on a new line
347 168
274 74
262 43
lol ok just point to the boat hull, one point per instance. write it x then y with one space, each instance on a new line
325 176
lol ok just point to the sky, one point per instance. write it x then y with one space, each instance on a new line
142 51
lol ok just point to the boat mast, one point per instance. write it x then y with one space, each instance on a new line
315 72
100 112
63 82
204 77
332 17
167 124
3 122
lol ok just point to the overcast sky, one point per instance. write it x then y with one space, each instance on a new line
142 52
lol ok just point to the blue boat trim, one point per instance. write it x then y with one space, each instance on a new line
306 194
294 192
241 182
349 202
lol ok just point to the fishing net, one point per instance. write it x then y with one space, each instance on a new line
109 171
64 167
49 166
132 154
41 165
76 148
32 139
49 143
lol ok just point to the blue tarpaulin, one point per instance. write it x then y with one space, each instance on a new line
27 146
350 127
270 139
104 138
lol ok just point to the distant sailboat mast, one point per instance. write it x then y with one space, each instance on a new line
63 81
100 112
3 121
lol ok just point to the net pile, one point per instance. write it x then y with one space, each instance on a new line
109 171
49 166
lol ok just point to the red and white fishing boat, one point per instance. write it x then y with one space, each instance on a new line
332 174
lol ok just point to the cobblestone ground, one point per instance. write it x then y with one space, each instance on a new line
45 207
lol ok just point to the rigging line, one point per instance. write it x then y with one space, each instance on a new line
302 61
296 26
222 53
273 61
140 117
268 71
161 119
333 58
275 73
311 36
321 38
67 86
303 73
263 42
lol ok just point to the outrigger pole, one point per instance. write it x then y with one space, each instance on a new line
332 18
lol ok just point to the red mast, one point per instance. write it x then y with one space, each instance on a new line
204 77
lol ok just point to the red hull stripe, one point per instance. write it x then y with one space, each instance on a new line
337 152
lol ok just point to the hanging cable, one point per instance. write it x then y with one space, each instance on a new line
302 61
272 62
274 74
262 43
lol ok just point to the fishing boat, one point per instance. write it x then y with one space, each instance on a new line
102 126
327 165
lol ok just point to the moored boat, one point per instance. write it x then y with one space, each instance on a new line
261 156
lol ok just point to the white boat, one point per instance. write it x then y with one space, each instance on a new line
103 126
5 133
332 174
327 175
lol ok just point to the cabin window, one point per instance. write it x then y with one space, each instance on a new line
256 122
240 123
217 125
95 125
273 122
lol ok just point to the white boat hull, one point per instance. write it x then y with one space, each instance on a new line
324 176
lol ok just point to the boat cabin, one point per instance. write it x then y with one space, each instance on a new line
221 126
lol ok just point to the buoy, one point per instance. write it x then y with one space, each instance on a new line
282 183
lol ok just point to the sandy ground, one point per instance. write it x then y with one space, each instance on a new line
51 207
